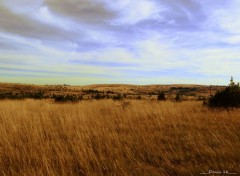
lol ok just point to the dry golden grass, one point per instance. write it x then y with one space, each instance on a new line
106 137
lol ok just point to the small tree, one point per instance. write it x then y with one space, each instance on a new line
161 96
229 97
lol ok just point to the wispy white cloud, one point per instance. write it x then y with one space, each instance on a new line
144 41
129 12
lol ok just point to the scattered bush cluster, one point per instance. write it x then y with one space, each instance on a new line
22 95
99 96
229 97
117 97
66 98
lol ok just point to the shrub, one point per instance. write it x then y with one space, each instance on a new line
178 97
37 95
65 98
59 98
22 95
99 96
117 97
139 97
229 97
161 96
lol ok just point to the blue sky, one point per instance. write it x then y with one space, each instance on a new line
83 42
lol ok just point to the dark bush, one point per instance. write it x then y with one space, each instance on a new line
37 95
229 97
139 97
66 98
59 98
161 96
178 97
22 95
99 96
117 97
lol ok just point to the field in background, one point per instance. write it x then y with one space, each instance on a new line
108 91
125 138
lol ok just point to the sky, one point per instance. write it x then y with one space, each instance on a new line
81 42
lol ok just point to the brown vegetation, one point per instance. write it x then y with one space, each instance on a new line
187 92
106 137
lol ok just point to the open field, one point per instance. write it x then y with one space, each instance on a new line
125 138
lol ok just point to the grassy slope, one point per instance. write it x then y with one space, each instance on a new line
116 138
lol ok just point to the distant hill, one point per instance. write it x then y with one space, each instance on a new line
187 90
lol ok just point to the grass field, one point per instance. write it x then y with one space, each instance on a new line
125 138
